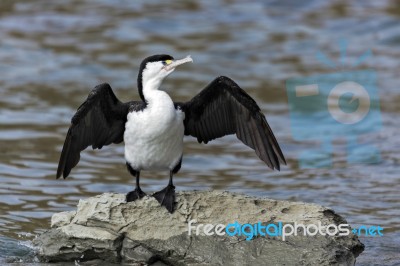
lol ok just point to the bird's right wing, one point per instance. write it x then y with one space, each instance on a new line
99 121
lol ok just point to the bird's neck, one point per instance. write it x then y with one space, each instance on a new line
151 85
153 96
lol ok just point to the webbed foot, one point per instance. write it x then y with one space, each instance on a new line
166 197
135 194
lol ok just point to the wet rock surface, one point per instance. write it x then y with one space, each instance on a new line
106 228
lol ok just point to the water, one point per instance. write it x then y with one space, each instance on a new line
52 53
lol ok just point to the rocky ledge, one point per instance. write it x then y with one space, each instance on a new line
106 228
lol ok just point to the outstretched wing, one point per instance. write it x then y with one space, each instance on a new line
223 108
99 121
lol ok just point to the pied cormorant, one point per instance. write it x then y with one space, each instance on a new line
153 128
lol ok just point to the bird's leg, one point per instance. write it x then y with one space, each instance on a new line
137 193
166 197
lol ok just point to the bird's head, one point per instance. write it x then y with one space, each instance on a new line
154 69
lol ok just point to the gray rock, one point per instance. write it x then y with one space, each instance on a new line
107 228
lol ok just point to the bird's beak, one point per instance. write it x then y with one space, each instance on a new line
176 63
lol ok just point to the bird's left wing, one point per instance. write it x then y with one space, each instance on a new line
223 108
99 121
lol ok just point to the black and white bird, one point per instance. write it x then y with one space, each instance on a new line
153 128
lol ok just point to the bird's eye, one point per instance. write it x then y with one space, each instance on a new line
167 62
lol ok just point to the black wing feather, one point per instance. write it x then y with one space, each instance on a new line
99 121
223 108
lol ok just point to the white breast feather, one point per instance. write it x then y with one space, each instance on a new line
154 137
